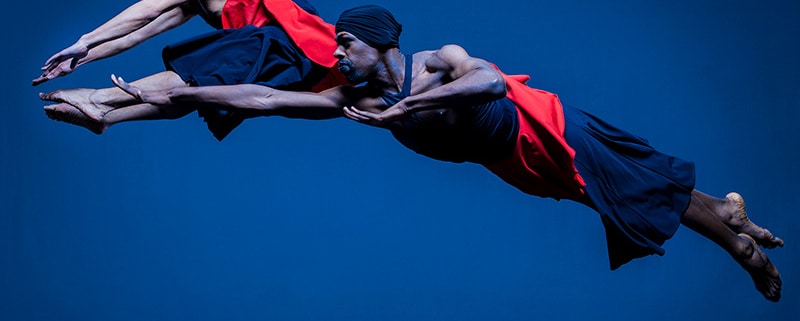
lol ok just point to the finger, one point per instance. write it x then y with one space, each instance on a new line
348 112
130 90
361 113
39 80
349 116
355 115
51 96
52 60
54 72
119 82
114 80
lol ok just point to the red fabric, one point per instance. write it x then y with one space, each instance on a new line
334 78
239 13
310 33
542 164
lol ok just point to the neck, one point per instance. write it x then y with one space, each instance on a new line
391 73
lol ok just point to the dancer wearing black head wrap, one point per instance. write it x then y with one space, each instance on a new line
450 106
373 25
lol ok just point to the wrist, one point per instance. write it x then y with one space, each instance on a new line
404 106
83 42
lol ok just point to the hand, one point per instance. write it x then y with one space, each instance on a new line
62 69
155 97
62 63
383 119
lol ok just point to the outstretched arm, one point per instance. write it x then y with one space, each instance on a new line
466 81
134 25
257 99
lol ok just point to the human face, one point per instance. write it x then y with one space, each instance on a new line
357 60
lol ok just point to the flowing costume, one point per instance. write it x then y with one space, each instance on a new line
562 152
282 44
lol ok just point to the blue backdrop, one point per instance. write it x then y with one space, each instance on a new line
332 220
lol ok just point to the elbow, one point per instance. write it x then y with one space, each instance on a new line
264 101
150 10
496 86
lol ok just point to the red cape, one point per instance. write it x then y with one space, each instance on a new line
310 33
543 164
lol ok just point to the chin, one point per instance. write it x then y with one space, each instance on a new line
354 78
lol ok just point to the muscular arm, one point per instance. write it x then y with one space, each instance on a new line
261 100
168 20
467 80
137 23
464 81
131 19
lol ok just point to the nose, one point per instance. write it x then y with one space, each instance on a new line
339 53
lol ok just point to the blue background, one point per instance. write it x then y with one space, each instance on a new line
332 220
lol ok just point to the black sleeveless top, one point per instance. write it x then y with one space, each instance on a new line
482 133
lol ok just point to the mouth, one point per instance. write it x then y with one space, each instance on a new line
344 66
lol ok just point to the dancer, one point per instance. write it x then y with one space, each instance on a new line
450 106
290 51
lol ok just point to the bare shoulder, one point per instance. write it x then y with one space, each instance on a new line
454 58
452 50
445 58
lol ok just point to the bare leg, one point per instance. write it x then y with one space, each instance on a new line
741 247
95 103
731 211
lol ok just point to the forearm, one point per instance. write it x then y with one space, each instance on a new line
129 20
475 87
262 100
166 21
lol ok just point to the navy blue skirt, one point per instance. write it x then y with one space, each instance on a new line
250 55
639 192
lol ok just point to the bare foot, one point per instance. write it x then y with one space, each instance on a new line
70 114
764 274
81 99
741 224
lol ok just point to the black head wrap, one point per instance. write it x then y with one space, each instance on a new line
371 24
